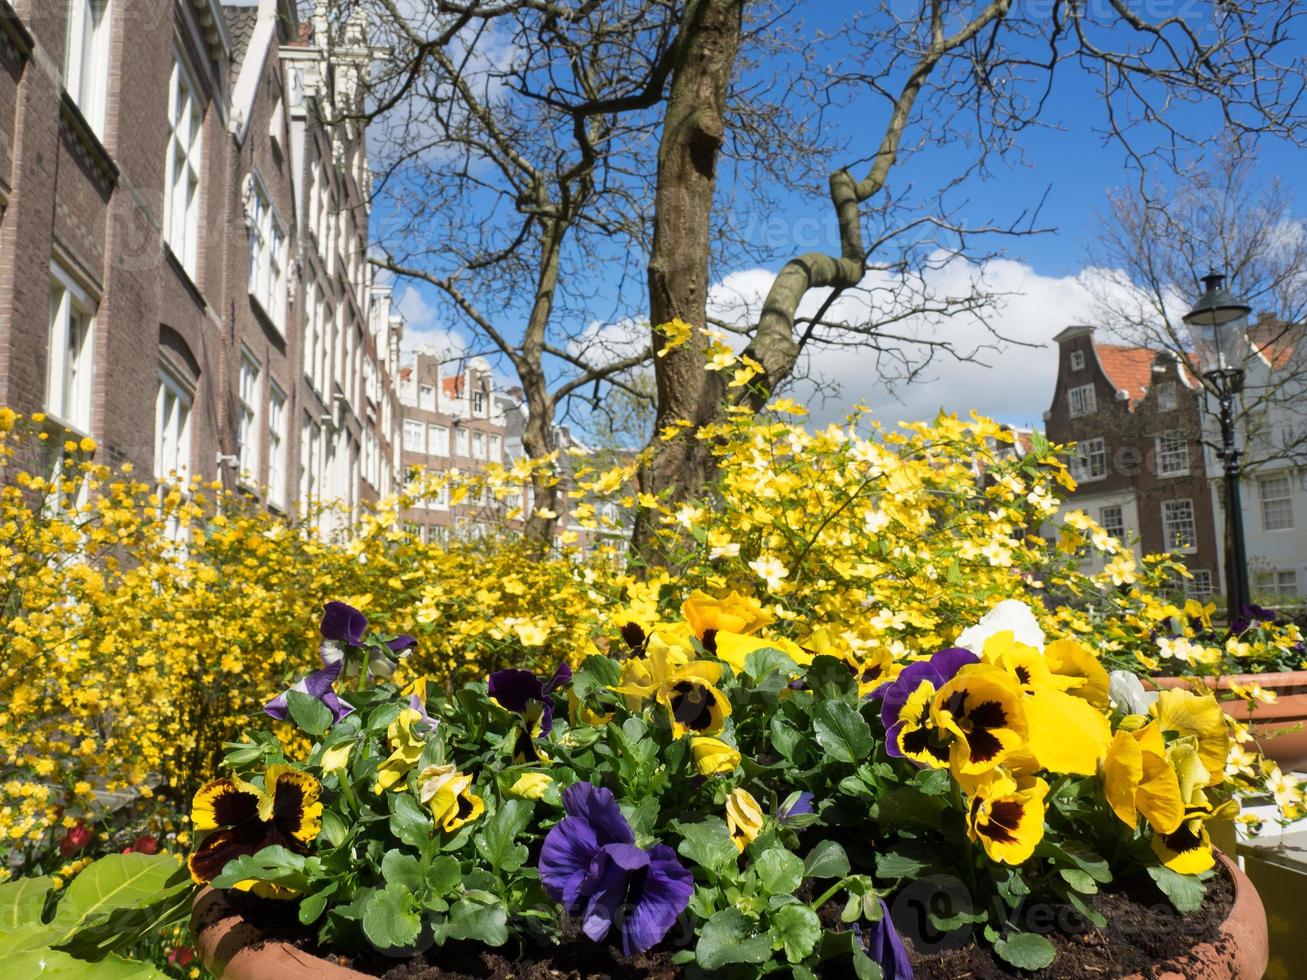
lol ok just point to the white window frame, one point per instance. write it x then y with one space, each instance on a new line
478 403
460 442
1115 527
173 406
478 444
70 359
438 440
276 445
1172 539
1081 400
86 59
1089 464
1279 582
427 398
1200 584
1276 503
1171 450
247 418
415 436
1077 360
267 273
496 448
184 166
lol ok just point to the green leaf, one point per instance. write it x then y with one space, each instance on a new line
708 843
310 714
728 938
830 679
21 939
896 864
408 821
779 871
796 929
390 919
495 841
768 661
118 881
274 864
22 902
785 738
841 731
398 868
334 830
1081 881
1185 892
471 920
596 673
826 860
444 873
50 964
312 906
1025 950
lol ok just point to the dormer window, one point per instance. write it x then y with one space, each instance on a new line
1077 360
1082 401
478 402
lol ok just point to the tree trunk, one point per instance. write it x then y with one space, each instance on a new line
693 130
538 435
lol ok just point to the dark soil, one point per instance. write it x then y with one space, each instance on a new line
1142 930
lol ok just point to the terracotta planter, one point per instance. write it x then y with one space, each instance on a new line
233 949
1243 950
1289 748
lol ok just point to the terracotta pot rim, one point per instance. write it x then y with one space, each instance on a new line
236 950
1270 679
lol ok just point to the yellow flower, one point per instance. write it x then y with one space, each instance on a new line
1069 660
1138 778
980 713
337 757
1181 712
406 749
448 793
1005 813
713 756
743 817
734 649
530 786
733 614
1188 849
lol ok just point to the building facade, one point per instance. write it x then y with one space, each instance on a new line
1136 419
183 235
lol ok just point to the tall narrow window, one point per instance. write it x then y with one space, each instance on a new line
427 398
68 368
1179 531
247 423
1277 502
1089 461
267 280
172 431
1082 401
496 449
1112 520
438 440
460 441
479 445
1167 400
1172 454
86 66
181 228
276 446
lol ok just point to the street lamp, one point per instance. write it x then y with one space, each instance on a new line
1219 326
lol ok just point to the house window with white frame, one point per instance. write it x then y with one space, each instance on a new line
1278 583
1090 460
172 430
414 436
479 445
276 445
496 449
1172 454
69 367
1112 520
479 403
1179 530
1277 502
1077 360
1200 582
247 420
427 398
438 440
460 441
1082 401
267 279
181 225
86 61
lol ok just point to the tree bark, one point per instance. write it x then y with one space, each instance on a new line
538 434
694 128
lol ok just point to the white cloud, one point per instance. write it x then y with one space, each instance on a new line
422 326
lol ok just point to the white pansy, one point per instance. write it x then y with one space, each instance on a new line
1009 615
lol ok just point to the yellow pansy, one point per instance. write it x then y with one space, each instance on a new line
713 756
743 817
981 711
406 748
1070 660
733 614
530 786
1181 712
448 792
1005 813
1138 779
734 649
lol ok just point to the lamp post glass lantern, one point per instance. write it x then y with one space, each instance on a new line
1218 324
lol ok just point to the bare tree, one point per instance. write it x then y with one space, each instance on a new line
1154 244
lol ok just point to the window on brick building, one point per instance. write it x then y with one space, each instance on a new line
1277 502
479 403
438 440
1179 531
1077 360
247 419
1166 397
1172 454
68 367
479 445
310 464
1082 401
496 449
172 430
276 446
1112 520
1200 583
427 398
460 441
414 436
267 277
181 227
86 64
1089 461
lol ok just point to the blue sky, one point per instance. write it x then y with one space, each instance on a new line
1066 162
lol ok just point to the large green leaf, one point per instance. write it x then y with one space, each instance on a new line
841 731
708 843
119 881
390 918
50 964
728 938
23 901
495 842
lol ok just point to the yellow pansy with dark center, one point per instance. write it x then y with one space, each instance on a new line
449 794
917 735
696 706
735 613
239 818
635 637
1005 814
981 709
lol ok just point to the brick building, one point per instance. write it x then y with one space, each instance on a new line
1136 418
183 236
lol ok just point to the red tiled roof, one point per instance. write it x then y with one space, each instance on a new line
1128 368
453 387
1274 341
405 373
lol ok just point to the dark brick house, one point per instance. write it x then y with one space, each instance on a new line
1135 418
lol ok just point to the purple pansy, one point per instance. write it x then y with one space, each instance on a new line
1250 615
525 693
343 623
885 946
800 806
590 863
938 670
316 685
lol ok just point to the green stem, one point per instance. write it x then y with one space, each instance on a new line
827 895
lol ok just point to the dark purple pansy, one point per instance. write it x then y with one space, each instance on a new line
800 806
402 644
343 623
316 685
1250 615
525 693
938 670
590 863
885 946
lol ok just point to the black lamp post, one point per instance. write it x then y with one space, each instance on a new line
1219 325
